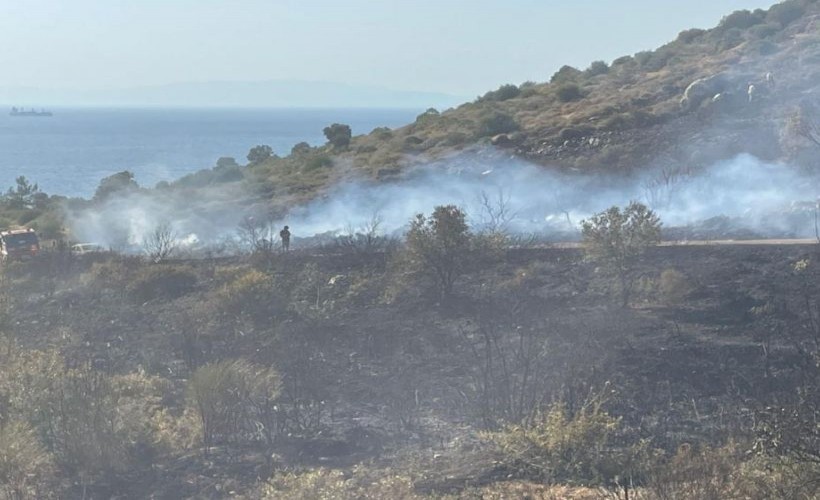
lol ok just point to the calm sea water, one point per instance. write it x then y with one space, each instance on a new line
70 152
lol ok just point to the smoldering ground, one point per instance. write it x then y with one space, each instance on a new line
743 195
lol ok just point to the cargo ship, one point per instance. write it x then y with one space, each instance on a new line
30 112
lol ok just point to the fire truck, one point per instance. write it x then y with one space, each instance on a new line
18 244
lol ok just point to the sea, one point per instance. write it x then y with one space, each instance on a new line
69 152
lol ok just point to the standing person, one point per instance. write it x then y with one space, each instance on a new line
285 235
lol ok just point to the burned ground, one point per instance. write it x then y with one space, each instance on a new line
378 373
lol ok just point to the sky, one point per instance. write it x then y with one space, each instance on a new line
459 47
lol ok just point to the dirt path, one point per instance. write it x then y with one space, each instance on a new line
704 243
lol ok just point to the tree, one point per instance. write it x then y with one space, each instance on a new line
338 135
117 183
23 194
160 243
226 162
439 246
301 148
616 238
258 233
259 153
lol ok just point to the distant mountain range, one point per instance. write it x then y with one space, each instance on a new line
276 93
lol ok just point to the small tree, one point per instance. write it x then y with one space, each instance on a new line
301 148
439 246
117 183
616 238
160 243
23 194
226 162
338 135
260 153
258 234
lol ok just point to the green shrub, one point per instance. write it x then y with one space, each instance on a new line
560 446
496 122
318 162
786 12
690 35
624 60
429 116
503 93
382 133
597 68
740 19
162 282
569 92
301 148
567 74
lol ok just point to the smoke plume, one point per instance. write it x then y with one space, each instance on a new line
739 197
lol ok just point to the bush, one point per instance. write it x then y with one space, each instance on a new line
162 282
428 116
495 123
690 35
597 68
251 294
338 135
569 92
616 239
301 148
259 154
234 399
503 93
318 162
740 19
382 133
786 12
439 246
561 447
567 74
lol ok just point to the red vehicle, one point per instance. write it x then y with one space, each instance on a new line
19 244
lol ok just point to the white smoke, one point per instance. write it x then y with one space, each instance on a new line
765 199
771 199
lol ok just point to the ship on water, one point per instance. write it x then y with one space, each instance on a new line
31 112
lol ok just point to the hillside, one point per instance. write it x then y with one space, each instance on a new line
617 117
459 359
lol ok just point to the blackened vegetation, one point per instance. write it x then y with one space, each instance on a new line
516 368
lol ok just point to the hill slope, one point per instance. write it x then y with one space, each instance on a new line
618 117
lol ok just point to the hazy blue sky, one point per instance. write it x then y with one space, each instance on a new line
463 47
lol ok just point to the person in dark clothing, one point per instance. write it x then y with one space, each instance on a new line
285 235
